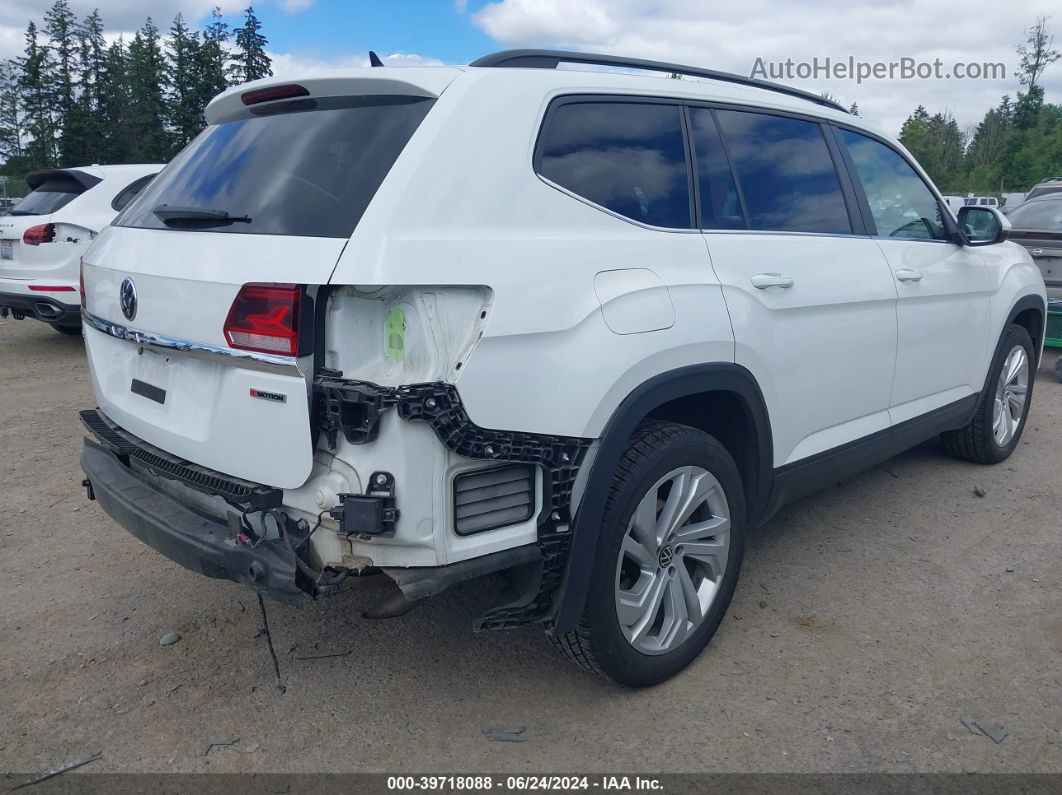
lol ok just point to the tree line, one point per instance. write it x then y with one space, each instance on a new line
1016 144
73 99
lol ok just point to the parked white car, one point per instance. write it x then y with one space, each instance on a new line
582 327
43 236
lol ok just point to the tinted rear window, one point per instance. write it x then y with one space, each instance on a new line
1035 192
307 167
1045 214
626 156
786 173
129 192
48 197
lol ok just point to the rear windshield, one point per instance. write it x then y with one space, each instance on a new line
1043 191
1045 214
306 167
48 197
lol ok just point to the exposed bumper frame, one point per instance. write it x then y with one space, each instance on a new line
184 536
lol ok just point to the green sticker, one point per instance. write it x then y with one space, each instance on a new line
395 335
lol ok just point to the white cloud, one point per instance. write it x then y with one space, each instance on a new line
118 15
730 36
291 66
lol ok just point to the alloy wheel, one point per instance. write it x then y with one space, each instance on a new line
1012 390
672 560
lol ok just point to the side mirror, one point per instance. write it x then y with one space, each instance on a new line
981 226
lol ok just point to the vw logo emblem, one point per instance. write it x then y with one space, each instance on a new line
667 554
127 298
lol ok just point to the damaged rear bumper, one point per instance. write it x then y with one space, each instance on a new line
184 536
213 549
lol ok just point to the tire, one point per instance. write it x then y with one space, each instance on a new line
980 440
68 331
639 653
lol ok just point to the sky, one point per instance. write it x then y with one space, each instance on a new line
313 34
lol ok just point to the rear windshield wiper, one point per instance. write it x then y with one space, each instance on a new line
198 216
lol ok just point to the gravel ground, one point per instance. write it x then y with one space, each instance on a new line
869 619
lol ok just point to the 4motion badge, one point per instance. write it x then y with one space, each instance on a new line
275 397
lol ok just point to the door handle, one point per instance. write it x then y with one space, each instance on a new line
909 275
761 281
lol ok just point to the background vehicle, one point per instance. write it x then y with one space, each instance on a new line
1037 225
954 203
44 234
666 309
981 201
1011 200
1049 186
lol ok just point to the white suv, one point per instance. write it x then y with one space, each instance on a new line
44 235
581 327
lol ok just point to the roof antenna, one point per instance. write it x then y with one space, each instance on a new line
374 59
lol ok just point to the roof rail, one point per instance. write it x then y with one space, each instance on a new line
549 59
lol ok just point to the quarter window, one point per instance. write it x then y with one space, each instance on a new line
786 173
629 157
901 204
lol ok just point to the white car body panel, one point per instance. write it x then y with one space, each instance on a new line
77 225
546 311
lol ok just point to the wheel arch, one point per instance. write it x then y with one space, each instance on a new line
696 395
1029 312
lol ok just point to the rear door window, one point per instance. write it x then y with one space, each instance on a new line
901 204
48 197
629 157
786 173
305 167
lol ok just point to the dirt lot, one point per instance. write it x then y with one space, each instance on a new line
868 620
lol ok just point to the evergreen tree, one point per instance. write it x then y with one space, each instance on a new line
11 114
854 110
211 62
250 61
114 106
147 111
182 60
34 67
93 86
61 26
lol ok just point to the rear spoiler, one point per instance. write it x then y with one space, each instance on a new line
37 178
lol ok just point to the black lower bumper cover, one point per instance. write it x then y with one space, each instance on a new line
184 536
64 314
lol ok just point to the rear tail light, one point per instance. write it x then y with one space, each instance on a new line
42 233
265 318
46 288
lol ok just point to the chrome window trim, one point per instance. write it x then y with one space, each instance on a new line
160 343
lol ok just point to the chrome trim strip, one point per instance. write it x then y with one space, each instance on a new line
160 343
